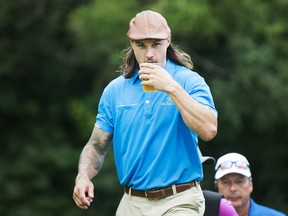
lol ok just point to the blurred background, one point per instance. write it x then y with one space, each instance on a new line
57 56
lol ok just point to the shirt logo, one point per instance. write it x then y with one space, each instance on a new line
126 105
168 102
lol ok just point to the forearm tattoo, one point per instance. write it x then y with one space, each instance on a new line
93 154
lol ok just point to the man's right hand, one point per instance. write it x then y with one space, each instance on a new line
83 193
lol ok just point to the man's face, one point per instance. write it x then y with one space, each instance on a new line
235 188
151 50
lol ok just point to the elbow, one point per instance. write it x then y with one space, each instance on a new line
209 133
212 133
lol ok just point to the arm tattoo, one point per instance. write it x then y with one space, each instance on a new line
93 154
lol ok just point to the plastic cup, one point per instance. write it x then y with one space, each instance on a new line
147 88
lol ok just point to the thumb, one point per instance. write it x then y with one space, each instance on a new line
91 192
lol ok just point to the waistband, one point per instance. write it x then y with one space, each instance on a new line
161 192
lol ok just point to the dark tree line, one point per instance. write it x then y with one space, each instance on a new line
57 56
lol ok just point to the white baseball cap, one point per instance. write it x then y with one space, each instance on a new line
232 163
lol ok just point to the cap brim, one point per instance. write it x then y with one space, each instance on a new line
208 160
220 173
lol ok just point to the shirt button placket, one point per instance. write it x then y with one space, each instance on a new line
147 106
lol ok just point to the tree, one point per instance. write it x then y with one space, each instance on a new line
57 56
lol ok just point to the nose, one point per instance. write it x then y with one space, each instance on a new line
149 53
233 186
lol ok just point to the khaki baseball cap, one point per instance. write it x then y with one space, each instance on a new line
148 25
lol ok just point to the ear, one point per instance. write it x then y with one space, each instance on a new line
169 41
250 184
216 184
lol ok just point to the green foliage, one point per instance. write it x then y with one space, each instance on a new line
57 57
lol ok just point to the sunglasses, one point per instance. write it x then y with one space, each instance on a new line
229 164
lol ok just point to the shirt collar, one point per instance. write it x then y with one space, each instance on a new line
135 76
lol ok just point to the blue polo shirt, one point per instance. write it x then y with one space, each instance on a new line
259 210
152 145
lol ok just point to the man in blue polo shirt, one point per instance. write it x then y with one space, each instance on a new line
233 180
154 132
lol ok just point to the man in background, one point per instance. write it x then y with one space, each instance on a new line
215 203
233 180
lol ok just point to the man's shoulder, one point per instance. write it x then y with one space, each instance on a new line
259 210
117 79
116 82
